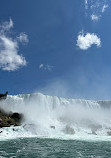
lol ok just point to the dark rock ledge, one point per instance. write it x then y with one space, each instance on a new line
10 119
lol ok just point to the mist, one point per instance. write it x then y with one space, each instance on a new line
82 85
54 116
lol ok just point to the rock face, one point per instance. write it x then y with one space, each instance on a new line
17 118
7 120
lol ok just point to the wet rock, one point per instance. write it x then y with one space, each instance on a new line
7 120
68 130
31 127
95 127
94 132
109 133
53 127
17 117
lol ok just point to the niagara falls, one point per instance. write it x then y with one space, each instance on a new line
55 79
55 117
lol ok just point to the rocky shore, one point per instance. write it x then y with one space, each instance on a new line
10 119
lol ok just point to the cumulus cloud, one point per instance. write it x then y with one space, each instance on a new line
10 59
104 8
85 41
94 17
23 38
6 26
46 67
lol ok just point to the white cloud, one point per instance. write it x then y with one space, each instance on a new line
86 1
6 26
95 8
10 60
41 66
104 8
23 38
46 67
49 67
85 41
94 17
86 4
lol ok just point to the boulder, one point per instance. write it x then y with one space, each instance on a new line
17 117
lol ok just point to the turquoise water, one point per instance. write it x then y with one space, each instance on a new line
53 148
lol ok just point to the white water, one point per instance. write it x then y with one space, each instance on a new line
47 116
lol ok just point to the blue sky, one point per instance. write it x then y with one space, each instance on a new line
58 47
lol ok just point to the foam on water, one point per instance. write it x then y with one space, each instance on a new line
54 117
